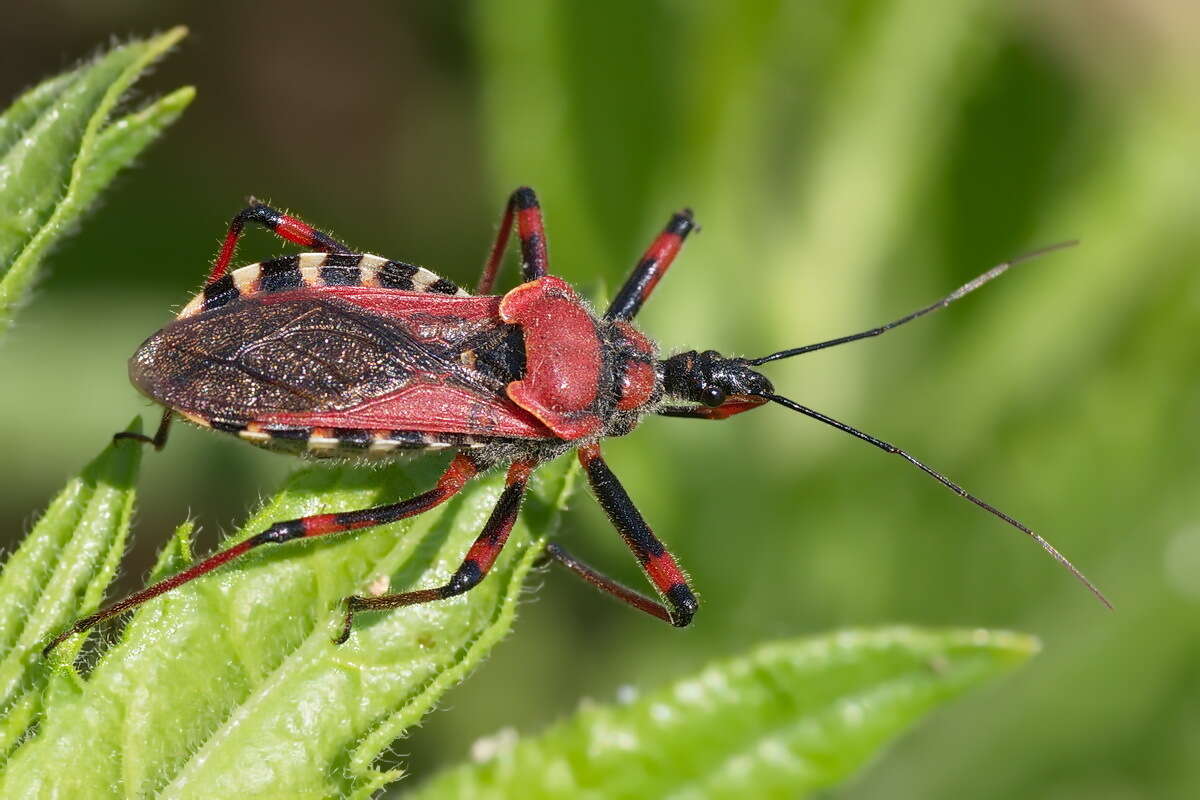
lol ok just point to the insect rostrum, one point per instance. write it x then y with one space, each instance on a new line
335 353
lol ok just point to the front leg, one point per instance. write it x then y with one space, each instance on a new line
658 564
652 266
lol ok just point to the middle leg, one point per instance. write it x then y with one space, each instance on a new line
475 566
534 261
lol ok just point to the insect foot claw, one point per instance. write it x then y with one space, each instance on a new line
547 556
55 642
352 605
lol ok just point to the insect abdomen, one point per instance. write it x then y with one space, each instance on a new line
344 442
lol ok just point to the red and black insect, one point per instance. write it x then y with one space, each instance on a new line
341 354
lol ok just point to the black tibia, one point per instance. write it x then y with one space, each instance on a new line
159 439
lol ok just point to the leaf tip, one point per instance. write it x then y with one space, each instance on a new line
172 36
1017 647
176 554
1002 650
181 97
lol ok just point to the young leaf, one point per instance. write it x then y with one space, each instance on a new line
175 555
786 720
59 149
232 686
58 574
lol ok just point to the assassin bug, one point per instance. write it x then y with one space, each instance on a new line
341 354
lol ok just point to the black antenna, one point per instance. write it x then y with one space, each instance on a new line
940 478
965 289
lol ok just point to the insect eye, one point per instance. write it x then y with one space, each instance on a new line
712 396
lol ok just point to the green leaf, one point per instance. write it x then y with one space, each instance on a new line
786 720
59 149
232 686
175 555
58 574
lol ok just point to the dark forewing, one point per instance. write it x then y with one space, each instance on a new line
306 357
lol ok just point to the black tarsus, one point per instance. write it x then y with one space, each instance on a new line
158 440
554 552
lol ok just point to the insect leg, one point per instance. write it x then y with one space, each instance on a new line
534 264
658 564
475 565
461 470
652 266
282 225
734 405
607 584
159 439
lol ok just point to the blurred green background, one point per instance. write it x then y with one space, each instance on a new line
848 162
